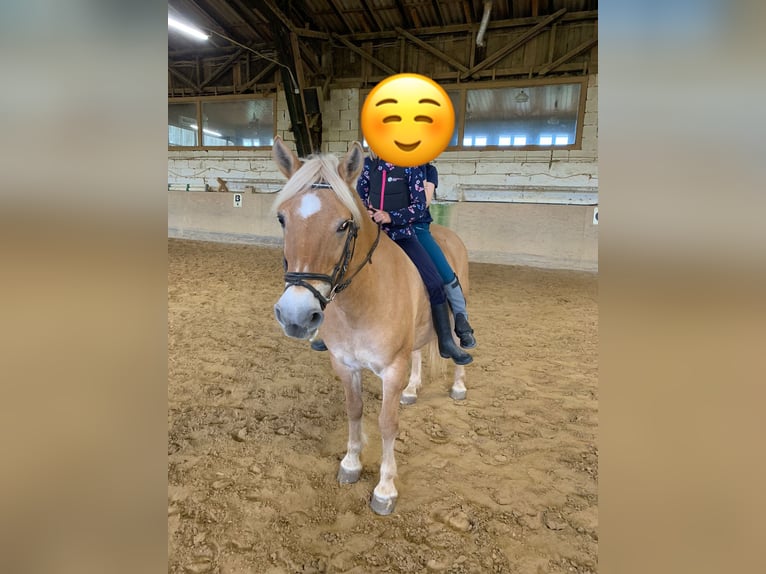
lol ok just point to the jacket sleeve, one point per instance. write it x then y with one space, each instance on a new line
416 210
363 183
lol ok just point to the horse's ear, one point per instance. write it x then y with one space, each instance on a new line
287 162
351 165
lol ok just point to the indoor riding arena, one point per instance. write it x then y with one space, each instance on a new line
505 480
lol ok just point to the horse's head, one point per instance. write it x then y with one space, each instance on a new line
320 215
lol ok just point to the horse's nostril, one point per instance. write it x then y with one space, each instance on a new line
316 318
277 313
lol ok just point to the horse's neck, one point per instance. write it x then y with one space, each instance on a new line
371 276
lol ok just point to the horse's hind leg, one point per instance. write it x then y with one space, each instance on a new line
410 393
458 390
385 494
351 466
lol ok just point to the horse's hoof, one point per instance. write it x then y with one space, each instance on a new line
382 506
408 399
348 476
457 395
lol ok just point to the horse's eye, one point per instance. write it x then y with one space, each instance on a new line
343 226
281 219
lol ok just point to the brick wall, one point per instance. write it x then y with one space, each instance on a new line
458 171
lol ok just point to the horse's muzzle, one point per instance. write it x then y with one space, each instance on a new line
299 313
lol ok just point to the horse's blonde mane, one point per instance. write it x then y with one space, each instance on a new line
316 168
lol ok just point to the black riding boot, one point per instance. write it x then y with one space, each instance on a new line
456 299
447 347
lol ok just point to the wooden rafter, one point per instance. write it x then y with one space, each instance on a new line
587 45
269 8
373 13
468 11
436 52
364 54
206 10
303 32
301 15
439 14
342 15
465 28
223 68
183 78
262 74
298 63
451 77
310 57
505 50
404 14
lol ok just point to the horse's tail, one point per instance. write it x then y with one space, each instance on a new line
436 365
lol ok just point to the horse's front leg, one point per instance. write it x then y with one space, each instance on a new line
351 467
384 495
458 390
410 394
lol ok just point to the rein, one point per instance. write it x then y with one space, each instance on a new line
338 281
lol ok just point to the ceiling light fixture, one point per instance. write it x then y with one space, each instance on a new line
188 30
199 35
522 97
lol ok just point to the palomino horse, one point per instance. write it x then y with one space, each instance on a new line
342 273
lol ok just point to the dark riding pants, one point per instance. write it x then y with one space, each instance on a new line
426 268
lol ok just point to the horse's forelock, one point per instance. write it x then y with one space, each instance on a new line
314 168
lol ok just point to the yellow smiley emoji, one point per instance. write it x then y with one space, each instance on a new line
408 119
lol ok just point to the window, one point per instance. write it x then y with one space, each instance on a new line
528 115
525 116
455 99
226 122
238 123
182 124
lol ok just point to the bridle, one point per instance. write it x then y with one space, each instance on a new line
338 281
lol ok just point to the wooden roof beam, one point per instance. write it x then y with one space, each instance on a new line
373 13
263 73
364 54
587 45
463 28
342 16
404 14
310 57
268 7
505 50
439 14
245 11
468 11
207 12
183 78
438 53
223 68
